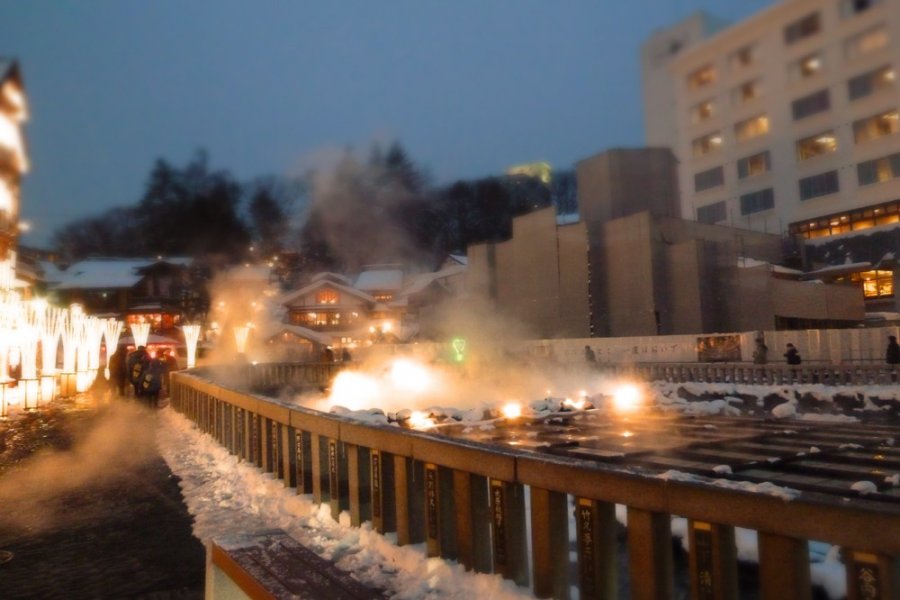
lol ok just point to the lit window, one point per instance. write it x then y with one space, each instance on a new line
871 128
751 128
746 92
878 170
870 82
819 185
701 77
816 145
809 65
384 297
875 284
867 41
702 111
326 297
756 164
802 28
812 104
707 143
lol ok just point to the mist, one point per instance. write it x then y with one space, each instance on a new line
37 493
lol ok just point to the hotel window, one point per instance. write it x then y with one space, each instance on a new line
812 104
855 7
875 284
878 170
819 185
746 92
743 57
701 77
872 128
756 164
709 179
757 201
802 28
866 41
702 111
816 145
707 143
712 213
870 82
805 67
881 214
326 297
751 128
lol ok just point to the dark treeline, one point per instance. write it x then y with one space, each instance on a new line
383 209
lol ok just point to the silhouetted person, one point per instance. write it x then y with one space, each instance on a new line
152 381
345 355
118 370
892 354
792 356
760 352
137 363
327 355
589 355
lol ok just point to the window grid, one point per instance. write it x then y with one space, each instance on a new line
819 185
757 201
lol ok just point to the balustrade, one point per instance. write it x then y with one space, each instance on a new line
476 504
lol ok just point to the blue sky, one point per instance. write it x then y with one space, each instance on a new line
469 87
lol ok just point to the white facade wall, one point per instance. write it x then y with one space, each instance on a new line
774 68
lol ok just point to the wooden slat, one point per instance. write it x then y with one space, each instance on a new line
783 567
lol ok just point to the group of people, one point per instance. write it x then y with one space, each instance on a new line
148 374
792 355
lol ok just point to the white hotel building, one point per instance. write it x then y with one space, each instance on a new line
785 122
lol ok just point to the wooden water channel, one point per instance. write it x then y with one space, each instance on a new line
463 491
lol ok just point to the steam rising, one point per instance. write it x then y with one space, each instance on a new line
111 447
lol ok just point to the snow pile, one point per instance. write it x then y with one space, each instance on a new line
228 497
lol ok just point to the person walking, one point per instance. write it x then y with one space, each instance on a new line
793 358
152 381
118 370
892 356
136 364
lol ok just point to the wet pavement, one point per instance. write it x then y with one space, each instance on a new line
88 508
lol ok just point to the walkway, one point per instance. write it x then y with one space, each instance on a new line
88 508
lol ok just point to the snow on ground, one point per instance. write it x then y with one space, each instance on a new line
228 497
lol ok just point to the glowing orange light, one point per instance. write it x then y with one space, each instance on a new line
512 410
627 398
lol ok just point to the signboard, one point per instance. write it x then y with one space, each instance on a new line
719 348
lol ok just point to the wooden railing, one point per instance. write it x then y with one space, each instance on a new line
781 374
467 502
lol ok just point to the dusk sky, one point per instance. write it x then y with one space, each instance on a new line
468 87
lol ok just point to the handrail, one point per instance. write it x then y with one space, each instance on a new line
466 501
768 374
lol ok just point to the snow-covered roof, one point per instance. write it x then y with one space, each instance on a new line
380 279
329 276
837 270
50 272
307 334
423 280
821 241
289 298
567 218
104 273
744 262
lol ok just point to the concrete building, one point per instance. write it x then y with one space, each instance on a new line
630 267
788 123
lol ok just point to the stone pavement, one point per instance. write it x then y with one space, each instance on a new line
88 508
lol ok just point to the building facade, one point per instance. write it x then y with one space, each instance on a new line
789 123
785 122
